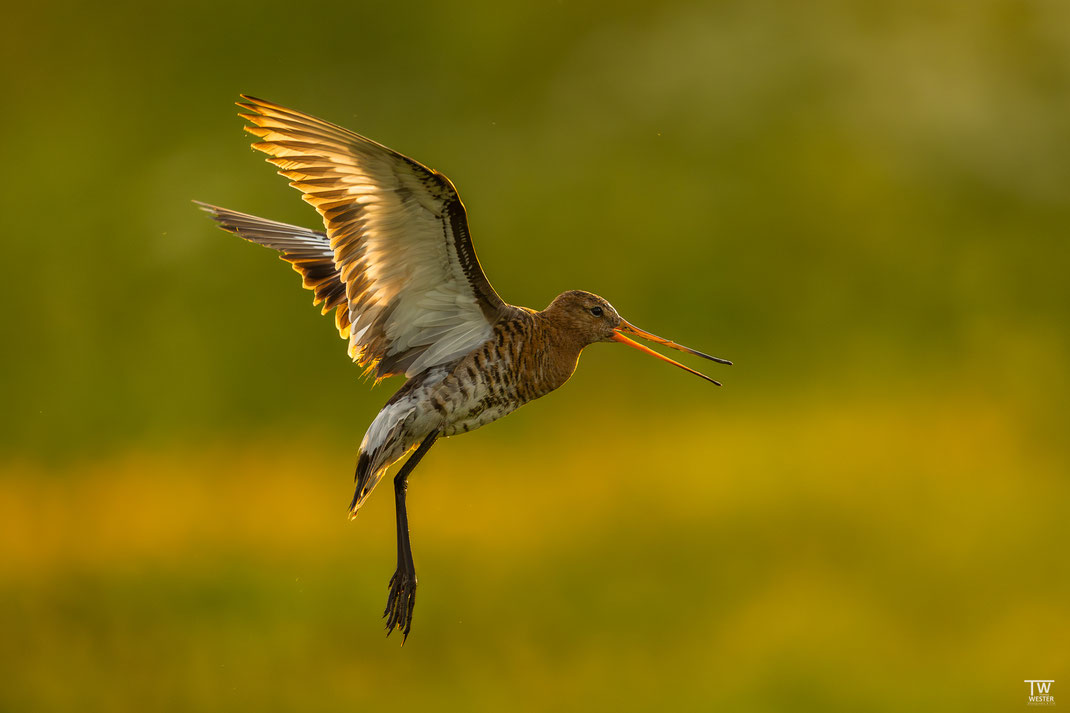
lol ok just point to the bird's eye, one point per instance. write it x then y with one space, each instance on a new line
596 311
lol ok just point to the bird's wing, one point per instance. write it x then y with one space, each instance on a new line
309 251
416 294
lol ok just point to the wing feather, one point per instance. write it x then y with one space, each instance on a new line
415 293
309 252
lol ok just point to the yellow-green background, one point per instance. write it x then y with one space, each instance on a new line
865 205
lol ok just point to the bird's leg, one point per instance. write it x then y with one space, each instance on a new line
402 598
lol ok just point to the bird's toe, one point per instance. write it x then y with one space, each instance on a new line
400 603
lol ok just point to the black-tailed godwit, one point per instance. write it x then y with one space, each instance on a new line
397 265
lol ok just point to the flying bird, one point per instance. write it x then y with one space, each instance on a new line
397 266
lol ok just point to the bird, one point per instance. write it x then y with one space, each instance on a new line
396 263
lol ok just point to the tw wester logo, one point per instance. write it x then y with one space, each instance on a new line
1040 692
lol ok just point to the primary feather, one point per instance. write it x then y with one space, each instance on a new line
415 294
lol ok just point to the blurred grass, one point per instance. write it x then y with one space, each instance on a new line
864 205
766 560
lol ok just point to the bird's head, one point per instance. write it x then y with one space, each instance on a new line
592 319
584 314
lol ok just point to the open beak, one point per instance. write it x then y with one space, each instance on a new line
618 336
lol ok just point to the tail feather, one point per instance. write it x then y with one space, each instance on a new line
374 460
363 467
391 435
370 470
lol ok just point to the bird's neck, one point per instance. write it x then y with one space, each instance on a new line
558 350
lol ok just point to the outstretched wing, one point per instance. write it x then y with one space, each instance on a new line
309 251
415 292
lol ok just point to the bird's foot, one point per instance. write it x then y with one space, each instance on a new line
400 603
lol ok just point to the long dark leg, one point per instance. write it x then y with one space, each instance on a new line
402 598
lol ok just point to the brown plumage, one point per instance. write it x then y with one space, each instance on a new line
397 265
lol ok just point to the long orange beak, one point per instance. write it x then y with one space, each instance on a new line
618 336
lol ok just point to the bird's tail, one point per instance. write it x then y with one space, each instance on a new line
387 441
371 467
363 479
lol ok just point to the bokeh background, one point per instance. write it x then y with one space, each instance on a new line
865 205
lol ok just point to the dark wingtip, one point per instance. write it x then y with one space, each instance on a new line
214 213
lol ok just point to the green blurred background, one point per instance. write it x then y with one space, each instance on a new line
864 205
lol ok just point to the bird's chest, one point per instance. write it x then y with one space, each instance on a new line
479 390
491 382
